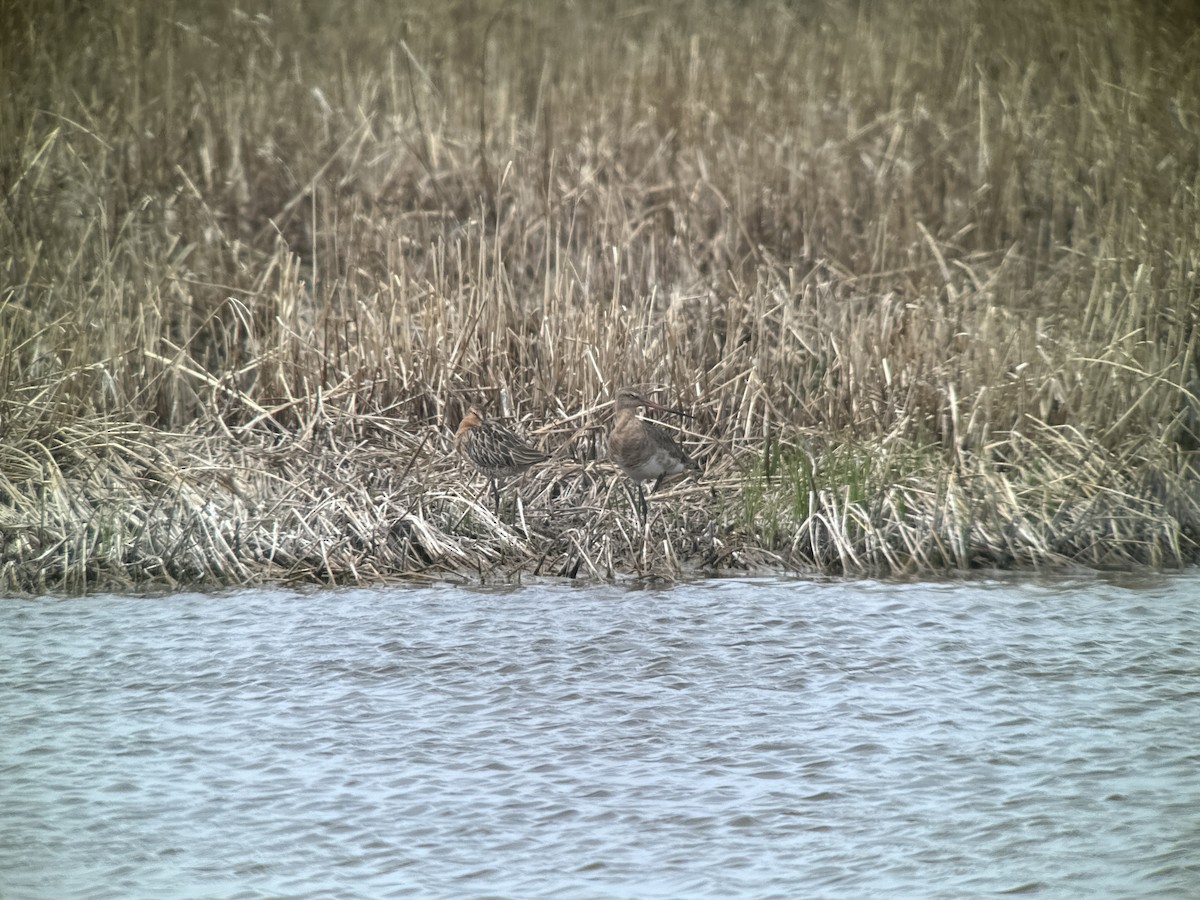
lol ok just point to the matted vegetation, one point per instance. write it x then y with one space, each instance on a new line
924 273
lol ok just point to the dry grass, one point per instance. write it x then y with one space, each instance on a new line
925 275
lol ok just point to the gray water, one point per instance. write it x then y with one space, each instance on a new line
746 738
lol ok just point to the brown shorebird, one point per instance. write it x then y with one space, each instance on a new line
494 450
642 449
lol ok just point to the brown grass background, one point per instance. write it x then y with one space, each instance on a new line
925 274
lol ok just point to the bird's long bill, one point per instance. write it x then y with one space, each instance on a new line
667 409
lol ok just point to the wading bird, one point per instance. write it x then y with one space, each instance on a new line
642 449
494 450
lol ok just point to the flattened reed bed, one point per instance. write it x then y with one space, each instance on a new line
384 503
925 276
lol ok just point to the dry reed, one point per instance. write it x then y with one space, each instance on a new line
925 275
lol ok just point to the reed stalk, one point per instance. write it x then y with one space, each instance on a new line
925 276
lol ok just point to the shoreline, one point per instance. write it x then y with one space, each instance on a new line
184 512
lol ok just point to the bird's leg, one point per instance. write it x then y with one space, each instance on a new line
495 496
642 508
636 502
658 483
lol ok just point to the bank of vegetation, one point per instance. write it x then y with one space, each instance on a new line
924 274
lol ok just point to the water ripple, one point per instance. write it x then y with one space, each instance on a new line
728 738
